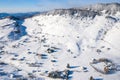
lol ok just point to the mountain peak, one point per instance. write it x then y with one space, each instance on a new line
110 8
87 11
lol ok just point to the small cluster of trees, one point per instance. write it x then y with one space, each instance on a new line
60 74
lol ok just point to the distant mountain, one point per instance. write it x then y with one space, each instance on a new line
3 15
18 15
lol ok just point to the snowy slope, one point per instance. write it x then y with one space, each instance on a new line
52 40
109 8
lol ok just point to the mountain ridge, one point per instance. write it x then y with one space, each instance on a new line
111 8
87 11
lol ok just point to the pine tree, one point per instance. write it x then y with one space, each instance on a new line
68 66
91 78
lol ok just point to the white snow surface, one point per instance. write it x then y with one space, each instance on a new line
76 38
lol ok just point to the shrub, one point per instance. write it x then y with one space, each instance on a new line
106 70
68 66
56 74
91 78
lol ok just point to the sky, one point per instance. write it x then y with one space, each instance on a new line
44 5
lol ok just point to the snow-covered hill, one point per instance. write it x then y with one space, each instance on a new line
74 44
109 8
